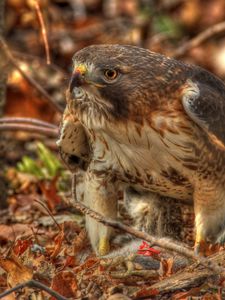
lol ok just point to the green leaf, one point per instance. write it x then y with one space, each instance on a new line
46 166
165 24
49 160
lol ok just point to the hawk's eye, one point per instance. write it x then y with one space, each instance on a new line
110 74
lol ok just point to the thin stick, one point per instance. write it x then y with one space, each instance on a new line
29 128
199 39
27 121
31 80
43 30
50 214
161 242
33 284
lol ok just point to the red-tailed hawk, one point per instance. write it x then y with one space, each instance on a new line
151 123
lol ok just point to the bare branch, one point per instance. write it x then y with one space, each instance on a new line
31 80
43 30
33 284
30 128
199 39
49 212
27 121
161 242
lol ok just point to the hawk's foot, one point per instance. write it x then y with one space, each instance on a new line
103 246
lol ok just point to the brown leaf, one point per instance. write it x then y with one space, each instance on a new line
209 296
80 241
166 266
147 292
186 295
58 244
11 232
89 263
50 192
17 273
65 284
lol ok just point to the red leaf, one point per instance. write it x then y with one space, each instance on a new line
21 246
147 292
49 190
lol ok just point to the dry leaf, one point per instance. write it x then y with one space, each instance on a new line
17 273
186 295
209 296
147 292
65 284
50 192
11 232
58 244
80 241
21 246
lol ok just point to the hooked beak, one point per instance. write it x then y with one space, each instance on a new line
78 77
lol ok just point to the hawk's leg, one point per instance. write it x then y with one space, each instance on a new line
209 208
101 196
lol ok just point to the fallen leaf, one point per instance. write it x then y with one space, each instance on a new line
80 241
21 246
16 271
166 266
65 284
49 190
209 296
58 244
147 292
11 232
90 262
186 295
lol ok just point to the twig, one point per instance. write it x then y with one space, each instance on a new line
199 39
27 121
43 30
53 218
31 80
161 242
50 214
30 128
33 284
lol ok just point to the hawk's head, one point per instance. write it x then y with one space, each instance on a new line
119 80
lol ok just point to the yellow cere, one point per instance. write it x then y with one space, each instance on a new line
81 69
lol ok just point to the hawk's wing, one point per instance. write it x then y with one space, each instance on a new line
205 105
73 143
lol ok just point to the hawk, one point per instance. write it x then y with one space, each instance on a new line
150 124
